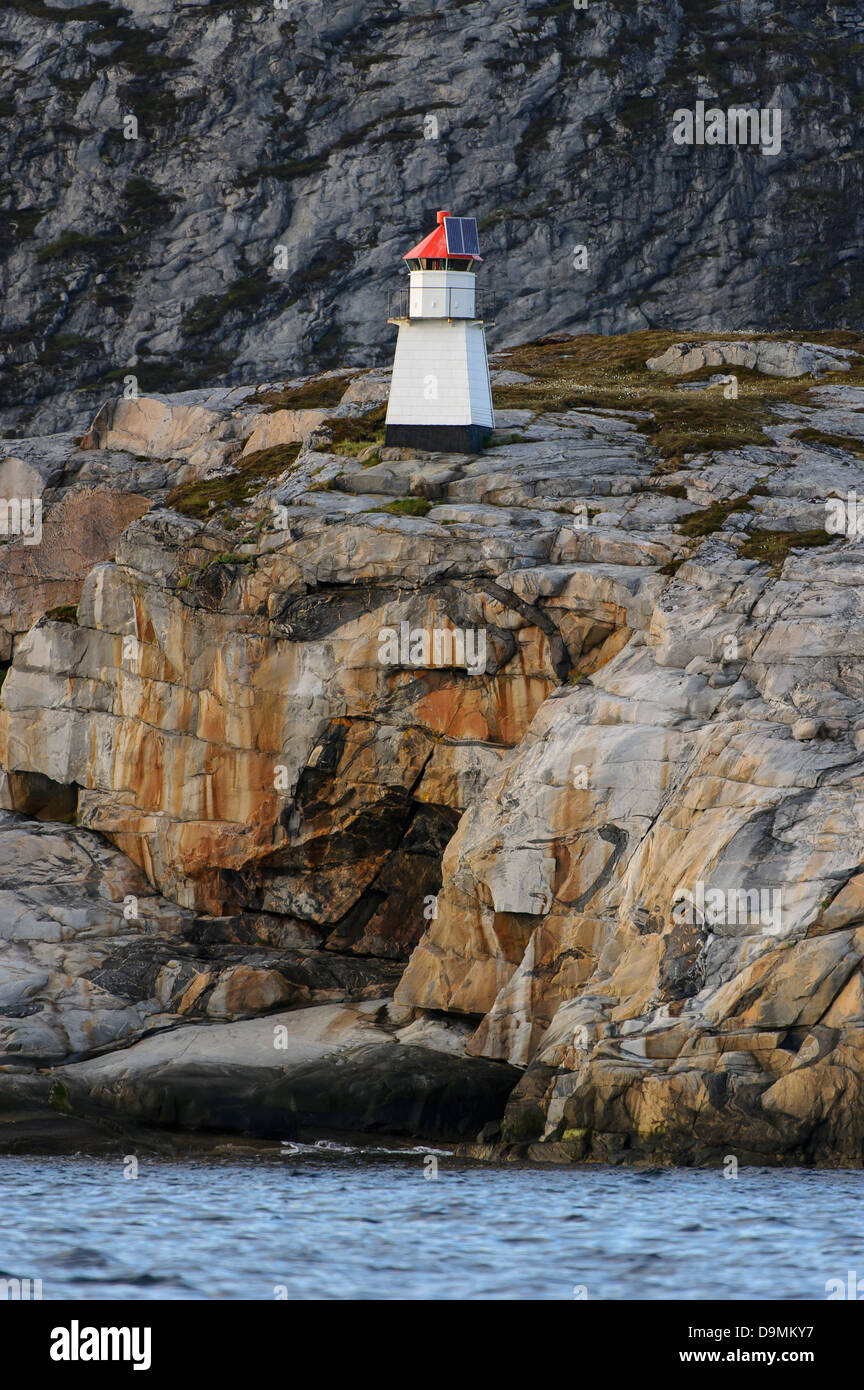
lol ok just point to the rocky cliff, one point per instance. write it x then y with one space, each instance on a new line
219 192
399 789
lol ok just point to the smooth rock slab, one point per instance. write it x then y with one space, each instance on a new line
326 1068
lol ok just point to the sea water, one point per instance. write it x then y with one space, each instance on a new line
332 1222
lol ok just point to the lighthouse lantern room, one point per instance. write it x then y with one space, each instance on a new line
440 395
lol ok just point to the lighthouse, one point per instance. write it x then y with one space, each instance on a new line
440 395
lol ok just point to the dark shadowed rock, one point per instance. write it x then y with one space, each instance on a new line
409 1090
319 1069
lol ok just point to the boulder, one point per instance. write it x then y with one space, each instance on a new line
787 359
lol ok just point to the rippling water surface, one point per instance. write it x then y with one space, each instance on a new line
333 1224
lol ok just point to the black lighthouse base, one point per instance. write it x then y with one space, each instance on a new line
438 439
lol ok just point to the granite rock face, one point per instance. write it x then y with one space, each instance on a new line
254 726
92 958
79 532
209 193
773 358
563 741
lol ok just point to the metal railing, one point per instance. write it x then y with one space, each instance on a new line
399 304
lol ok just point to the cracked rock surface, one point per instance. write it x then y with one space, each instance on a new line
315 808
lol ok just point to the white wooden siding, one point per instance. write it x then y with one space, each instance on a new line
453 356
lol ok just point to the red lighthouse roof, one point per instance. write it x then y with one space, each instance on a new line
447 241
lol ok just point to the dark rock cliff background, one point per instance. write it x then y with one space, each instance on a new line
313 127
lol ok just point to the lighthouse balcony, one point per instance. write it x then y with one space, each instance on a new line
440 302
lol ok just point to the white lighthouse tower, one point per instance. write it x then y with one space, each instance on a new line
440 395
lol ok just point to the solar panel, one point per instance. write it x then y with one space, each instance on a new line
453 232
470 244
461 233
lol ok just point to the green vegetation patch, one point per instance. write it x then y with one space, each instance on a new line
352 434
710 519
676 490
66 613
823 440
132 45
202 499
143 198
21 223
700 423
322 265
283 170
58 1098
37 9
73 243
208 312
63 346
772 547
157 107
74 87
593 371
331 485
405 506
134 52
318 394
229 557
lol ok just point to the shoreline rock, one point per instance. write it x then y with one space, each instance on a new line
622 856
326 1068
